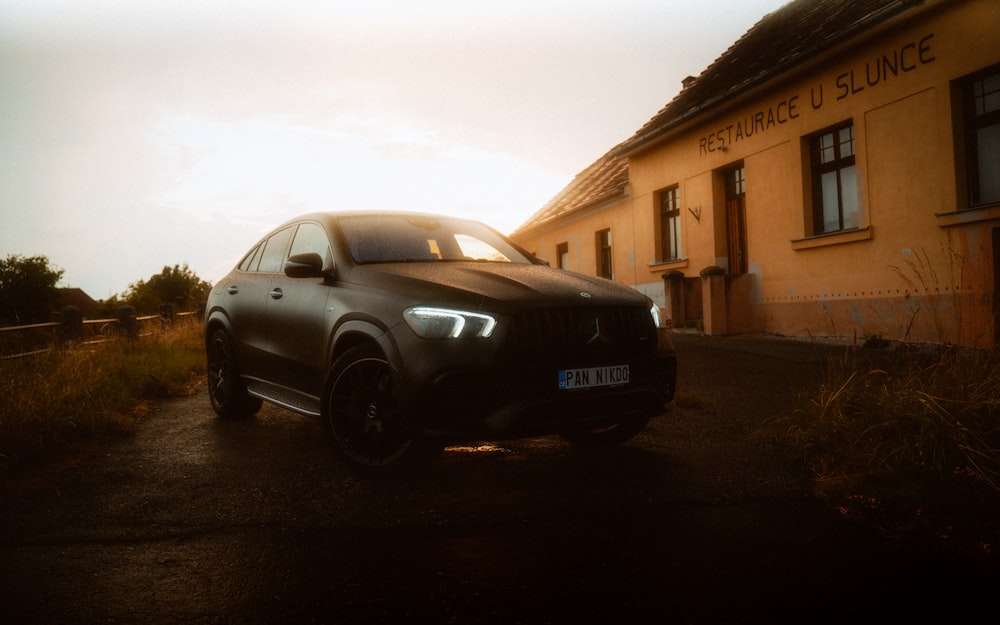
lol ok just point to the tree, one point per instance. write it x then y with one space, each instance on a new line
176 285
109 308
28 290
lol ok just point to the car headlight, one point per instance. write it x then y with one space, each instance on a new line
442 323
657 316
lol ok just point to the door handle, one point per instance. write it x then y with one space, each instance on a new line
277 293
233 290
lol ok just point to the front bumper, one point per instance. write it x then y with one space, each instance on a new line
512 400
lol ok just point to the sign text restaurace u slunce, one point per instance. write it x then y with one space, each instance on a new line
883 67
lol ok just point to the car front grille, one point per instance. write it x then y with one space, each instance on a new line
580 335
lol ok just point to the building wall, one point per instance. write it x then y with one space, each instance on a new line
918 267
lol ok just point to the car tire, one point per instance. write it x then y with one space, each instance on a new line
362 414
606 436
227 392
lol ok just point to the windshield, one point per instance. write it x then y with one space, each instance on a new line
405 238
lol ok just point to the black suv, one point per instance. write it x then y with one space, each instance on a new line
405 331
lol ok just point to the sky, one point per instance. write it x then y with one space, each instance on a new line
138 134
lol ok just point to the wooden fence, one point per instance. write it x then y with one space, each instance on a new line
39 338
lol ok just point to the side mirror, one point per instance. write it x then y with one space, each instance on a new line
307 265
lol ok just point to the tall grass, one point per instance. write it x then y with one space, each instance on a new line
53 399
941 416
910 442
909 439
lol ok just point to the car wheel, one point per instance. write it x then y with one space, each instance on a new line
226 390
613 434
363 415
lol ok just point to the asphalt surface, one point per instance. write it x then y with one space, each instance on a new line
700 519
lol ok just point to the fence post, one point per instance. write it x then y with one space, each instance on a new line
71 324
166 316
128 325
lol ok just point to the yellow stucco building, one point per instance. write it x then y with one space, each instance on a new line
836 172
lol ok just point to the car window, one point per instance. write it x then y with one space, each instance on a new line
274 251
403 238
477 249
249 262
310 237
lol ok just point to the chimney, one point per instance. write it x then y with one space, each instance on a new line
687 82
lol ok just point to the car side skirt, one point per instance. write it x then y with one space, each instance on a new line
284 397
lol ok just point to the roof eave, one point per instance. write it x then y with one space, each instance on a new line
560 218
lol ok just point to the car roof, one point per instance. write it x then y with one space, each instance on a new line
333 216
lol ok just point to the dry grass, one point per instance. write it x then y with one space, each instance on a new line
912 445
57 398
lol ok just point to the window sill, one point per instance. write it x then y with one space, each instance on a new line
666 265
834 238
968 216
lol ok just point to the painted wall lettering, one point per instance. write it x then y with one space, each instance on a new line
878 70
817 101
882 68
747 127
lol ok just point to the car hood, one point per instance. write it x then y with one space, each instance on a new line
507 286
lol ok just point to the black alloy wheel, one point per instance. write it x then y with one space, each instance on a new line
362 413
226 390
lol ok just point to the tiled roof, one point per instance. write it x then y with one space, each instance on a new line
602 181
781 40
793 34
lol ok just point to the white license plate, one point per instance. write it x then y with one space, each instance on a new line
593 377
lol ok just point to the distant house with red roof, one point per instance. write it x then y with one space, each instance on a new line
77 297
